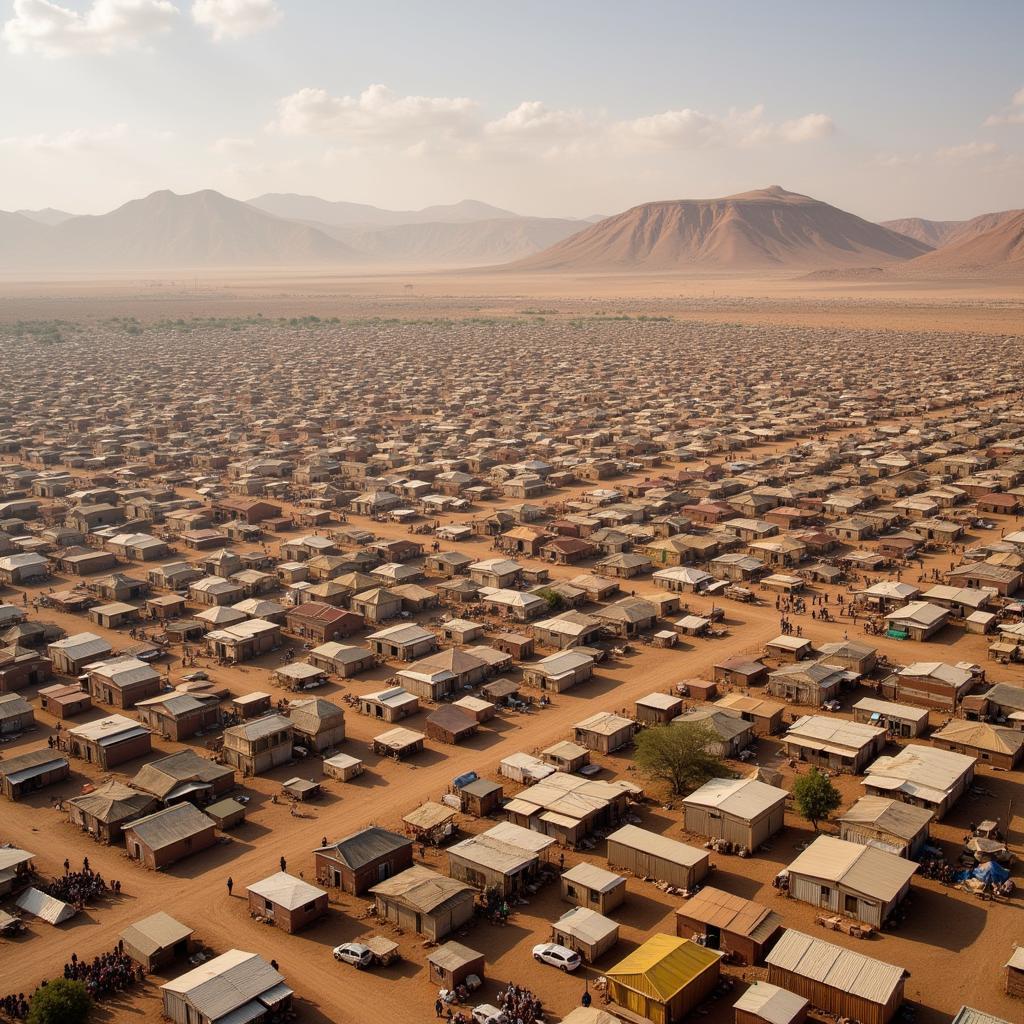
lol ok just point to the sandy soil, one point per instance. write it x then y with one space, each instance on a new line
977 306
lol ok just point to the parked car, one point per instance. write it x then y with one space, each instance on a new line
354 953
557 956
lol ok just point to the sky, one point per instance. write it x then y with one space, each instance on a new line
552 108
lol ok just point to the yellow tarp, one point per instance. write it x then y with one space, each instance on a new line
662 966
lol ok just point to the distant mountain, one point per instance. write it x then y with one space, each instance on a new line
762 230
167 230
342 214
477 243
48 216
21 239
931 232
988 246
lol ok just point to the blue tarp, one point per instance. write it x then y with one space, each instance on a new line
990 871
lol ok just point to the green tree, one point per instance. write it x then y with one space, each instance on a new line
60 1002
554 599
679 754
816 798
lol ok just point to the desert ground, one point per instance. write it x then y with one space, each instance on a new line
831 367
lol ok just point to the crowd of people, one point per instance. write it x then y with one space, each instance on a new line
14 1007
80 887
520 1005
105 974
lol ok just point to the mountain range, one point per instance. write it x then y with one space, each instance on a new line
768 229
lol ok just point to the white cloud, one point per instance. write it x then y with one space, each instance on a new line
533 118
377 112
428 125
78 140
967 151
229 19
1013 114
694 129
810 126
232 147
105 26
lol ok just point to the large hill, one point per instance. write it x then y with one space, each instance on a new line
762 230
166 230
342 214
939 233
992 247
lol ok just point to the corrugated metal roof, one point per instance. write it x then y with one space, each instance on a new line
156 932
663 966
863 869
861 976
659 846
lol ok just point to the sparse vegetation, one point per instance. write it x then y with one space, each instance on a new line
679 755
816 797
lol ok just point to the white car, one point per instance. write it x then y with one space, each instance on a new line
487 1014
354 953
557 956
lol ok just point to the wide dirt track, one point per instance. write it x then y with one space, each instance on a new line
953 944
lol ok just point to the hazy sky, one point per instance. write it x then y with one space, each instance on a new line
554 107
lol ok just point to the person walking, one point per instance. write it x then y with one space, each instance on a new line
231 884
438 1008
284 863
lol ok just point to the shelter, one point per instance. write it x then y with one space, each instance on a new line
886 824
343 767
16 714
764 716
833 743
423 901
863 882
586 932
649 855
451 724
604 732
924 776
110 741
47 908
765 1003
160 839
658 708
664 979
997 745
184 775
452 963
360 860
15 868
492 864
587 885
104 811
156 941
256 747
731 733
398 743
559 672
29 772
318 724
897 719
289 902
836 980
729 923
389 705
232 988
742 811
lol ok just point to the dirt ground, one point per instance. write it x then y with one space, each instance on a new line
953 944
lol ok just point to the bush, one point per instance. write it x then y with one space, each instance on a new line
60 1002
679 754
815 796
